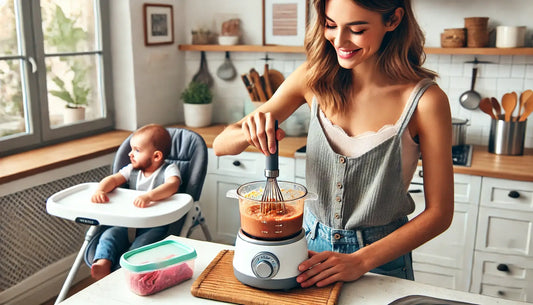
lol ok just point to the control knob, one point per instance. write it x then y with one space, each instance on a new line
265 265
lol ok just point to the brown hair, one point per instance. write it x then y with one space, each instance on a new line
400 56
159 137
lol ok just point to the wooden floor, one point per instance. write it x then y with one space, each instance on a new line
79 286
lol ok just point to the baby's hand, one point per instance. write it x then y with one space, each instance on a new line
100 197
142 201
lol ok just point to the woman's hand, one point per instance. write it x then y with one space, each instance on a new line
324 268
259 131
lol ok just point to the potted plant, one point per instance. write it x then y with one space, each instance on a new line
197 106
69 73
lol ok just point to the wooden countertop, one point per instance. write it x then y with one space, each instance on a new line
25 164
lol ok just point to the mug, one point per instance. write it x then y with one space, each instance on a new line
510 36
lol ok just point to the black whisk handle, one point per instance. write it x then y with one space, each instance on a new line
272 160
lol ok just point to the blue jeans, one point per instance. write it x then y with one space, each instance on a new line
323 238
114 242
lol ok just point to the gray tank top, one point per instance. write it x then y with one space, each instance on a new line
365 191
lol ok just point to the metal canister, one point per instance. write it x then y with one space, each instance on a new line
507 138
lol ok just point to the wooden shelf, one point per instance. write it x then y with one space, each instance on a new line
480 51
300 49
241 48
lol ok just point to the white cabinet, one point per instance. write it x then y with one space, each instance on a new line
226 173
299 171
503 263
446 260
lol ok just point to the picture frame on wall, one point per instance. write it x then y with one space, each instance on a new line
158 24
284 22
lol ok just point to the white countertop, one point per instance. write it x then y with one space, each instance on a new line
370 289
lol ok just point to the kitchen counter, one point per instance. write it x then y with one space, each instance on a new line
483 163
370 289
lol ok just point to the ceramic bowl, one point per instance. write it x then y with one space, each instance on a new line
228 40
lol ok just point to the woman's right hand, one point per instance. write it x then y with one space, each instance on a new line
259 130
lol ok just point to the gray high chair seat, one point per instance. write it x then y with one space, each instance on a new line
189 152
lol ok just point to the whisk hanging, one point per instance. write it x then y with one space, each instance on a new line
272 198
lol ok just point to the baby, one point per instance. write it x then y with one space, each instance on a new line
148 171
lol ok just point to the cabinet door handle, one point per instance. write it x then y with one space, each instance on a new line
513 194
237 163
501 293
503 268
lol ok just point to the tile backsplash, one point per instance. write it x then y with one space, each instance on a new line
500 75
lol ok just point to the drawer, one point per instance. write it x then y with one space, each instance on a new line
503 276
439 276
505 231
507 194
249 165
466 187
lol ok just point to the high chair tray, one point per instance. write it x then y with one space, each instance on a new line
75 204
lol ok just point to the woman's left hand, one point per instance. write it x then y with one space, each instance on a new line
324 268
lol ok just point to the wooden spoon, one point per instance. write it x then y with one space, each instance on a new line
486 106
523 98
509 104
528 108
496 106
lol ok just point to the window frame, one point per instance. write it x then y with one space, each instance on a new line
39 132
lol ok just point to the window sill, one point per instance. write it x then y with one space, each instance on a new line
39 160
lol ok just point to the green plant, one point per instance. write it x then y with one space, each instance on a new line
63 34
197 93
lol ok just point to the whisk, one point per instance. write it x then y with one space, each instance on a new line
272 199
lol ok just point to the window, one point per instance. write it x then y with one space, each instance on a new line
53 81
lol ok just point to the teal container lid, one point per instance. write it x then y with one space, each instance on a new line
156 256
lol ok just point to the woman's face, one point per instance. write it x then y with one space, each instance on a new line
355 32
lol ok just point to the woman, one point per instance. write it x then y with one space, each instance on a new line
374 110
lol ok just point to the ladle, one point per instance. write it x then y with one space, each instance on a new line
203 76
226 71
471 99
496 106
486 106
523 98
509 104
528 108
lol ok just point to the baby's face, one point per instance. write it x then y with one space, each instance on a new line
141 152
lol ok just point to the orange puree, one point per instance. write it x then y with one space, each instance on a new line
270 225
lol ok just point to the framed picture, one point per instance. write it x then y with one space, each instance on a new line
284 22
158 24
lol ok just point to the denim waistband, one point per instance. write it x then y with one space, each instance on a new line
360 237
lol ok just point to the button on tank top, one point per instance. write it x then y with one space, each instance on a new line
363 191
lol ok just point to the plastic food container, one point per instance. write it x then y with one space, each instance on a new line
157 266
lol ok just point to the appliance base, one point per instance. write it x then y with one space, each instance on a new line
269 264
270 284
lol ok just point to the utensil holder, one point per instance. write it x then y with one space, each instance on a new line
507 138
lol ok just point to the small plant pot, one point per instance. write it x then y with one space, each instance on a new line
198 115
73 115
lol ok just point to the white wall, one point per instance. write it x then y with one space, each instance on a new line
147 80
160 73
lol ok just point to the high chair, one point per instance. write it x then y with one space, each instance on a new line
181 210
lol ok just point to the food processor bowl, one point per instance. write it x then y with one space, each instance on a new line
276 223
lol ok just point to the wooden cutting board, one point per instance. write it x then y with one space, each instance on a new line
218 282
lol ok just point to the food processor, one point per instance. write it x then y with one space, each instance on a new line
271 242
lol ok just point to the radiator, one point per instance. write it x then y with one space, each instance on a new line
30 238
